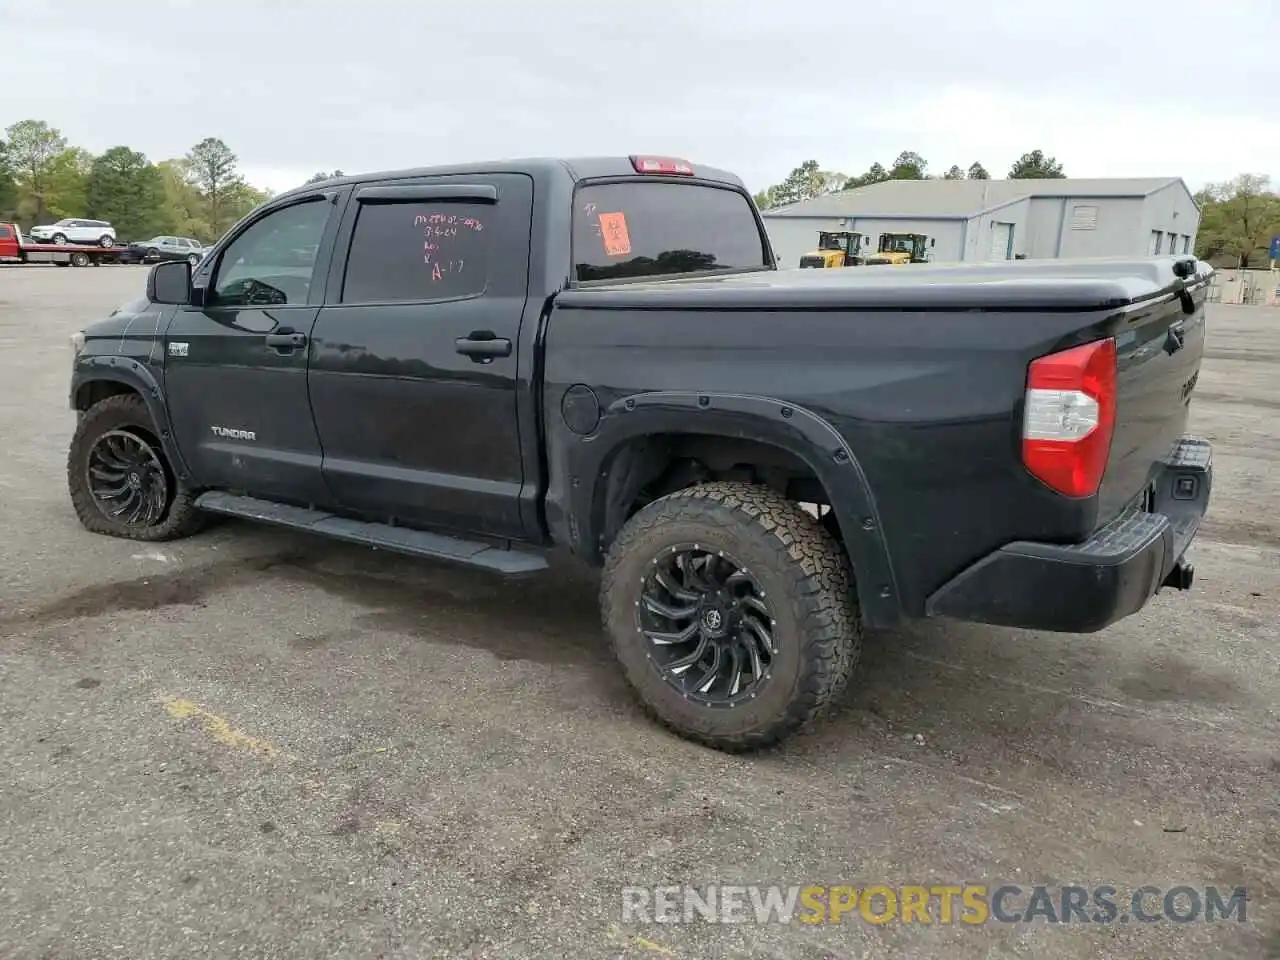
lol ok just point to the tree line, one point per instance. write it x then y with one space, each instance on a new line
809 180
1238 218
44 178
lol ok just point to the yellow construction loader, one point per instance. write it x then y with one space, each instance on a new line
900 248
842 249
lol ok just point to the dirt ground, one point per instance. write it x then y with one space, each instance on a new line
258 744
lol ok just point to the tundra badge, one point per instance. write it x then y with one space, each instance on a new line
230 434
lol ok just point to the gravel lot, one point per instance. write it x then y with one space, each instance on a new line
258 744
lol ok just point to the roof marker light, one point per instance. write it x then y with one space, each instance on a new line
668 165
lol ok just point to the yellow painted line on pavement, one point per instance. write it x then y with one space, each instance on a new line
617 936
653 947
220 729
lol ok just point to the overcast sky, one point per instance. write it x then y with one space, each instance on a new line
1109 87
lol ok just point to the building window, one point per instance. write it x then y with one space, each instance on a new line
1157 236
1084 217
1186 244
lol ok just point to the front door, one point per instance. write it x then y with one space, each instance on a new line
414 358
236 368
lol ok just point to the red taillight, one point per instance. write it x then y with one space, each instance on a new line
1069 418
662 165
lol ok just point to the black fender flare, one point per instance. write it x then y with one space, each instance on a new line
581 467
128 372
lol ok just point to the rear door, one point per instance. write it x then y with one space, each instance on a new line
236 368
413 370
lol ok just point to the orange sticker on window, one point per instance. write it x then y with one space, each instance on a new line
613 231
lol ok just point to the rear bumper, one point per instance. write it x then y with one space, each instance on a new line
1084 587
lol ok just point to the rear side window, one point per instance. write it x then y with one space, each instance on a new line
4 233
418 251
647 228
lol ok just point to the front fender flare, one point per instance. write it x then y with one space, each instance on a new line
580 467
128 372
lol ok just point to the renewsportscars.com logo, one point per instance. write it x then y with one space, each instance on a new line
940 904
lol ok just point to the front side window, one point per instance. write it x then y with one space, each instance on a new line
649 228
415 251
271 263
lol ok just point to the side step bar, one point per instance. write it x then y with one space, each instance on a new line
383 536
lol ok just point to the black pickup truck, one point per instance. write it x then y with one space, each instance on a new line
480 363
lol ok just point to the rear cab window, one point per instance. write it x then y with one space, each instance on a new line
651 228
418 252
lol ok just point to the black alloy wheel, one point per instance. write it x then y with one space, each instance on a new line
127 478
120 480
732 612
709 627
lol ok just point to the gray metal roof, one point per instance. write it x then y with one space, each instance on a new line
961 198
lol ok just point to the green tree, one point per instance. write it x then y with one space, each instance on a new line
909 166
182 209
1238 219
126 189
242 199
8 185
978 172
767 197
67 182
876 173
953 173
318 177
212 167
1036 166
33 145
803 183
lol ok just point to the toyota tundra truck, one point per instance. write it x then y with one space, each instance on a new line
482 364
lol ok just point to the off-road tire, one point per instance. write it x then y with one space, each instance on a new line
805 574
180 519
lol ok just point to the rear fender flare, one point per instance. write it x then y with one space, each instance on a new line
794 429
136 376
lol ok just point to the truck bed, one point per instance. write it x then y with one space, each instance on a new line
922 371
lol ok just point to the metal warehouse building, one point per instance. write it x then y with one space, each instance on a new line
1001 219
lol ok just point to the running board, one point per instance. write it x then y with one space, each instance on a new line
382 536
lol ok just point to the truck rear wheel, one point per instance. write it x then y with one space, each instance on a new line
732 613
121 483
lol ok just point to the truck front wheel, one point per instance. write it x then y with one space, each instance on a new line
732 613
120 481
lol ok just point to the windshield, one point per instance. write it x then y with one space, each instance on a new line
641 228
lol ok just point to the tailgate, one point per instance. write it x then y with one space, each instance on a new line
1158 354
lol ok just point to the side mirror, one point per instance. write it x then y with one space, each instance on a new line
170 282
